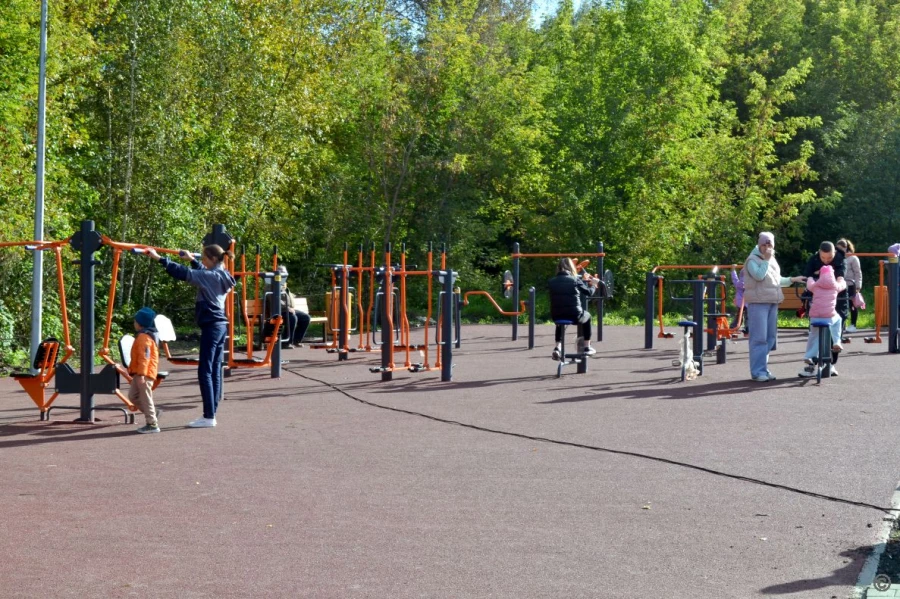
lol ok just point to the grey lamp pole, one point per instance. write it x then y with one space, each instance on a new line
38 269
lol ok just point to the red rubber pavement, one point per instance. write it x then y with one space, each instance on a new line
303 490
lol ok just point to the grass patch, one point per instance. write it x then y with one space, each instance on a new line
890 559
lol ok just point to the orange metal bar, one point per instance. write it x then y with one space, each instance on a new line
360 319
404 322
38 245
690 267
369 335
121 245
247 324
488 295
578 254
104 350
60 279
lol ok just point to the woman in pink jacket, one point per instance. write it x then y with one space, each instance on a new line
825 292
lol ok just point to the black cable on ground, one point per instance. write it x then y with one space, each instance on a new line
886 510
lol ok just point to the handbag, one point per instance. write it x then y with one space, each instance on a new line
859 302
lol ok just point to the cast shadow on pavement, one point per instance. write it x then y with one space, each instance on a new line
688 390
842 577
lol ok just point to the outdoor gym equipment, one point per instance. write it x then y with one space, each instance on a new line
87 383
444 337
893 304
654 295
515 283
882 297
46 359
580 358
700 289
527 306
269 327
685 360
823 361
254 311
388 303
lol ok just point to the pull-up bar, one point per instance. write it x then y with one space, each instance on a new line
517 255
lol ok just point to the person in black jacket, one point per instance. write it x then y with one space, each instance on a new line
568 301
834 257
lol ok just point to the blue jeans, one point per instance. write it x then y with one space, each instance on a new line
812 343
209 371
762 321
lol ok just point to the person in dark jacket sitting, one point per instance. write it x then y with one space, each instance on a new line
568 301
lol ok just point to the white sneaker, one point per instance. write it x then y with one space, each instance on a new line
589 351
809 361
763 378
202 423
807 372
834 371
851 329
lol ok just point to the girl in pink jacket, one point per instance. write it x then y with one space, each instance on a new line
825 292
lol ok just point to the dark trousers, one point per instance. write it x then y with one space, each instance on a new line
297 323
843 308
584 327
209 371
854 311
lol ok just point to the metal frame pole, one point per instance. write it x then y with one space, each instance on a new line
37 274
649 306
515 291
600 301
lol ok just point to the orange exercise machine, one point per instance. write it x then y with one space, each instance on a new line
447 310
46 360
717 304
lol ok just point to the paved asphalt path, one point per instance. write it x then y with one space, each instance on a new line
328 483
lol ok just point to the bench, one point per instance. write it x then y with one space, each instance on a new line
301 304
792 300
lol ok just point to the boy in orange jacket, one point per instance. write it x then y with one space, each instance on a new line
143 367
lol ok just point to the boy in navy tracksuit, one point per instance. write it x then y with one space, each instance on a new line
213 282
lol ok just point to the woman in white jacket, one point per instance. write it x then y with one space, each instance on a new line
762 294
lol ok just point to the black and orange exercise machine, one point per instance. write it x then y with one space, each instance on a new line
444 336
46 359
715 298
882 295
271 326
256 314
387 295
512 282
